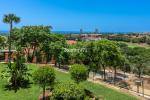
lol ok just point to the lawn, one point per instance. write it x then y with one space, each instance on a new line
133 45
33 92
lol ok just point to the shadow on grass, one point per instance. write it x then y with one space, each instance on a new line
25 84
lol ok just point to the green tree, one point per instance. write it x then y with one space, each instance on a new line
117 62
103 51
39 40
64 58
17 74
108 54
10 19
53 46
90 57
32 38
57 48
35 35
139 58
79 55
44 76
78 73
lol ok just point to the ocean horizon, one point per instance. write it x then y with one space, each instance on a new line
78 32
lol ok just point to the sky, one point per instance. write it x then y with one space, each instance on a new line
72 15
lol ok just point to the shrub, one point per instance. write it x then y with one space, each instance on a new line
44 76
68 91
78 73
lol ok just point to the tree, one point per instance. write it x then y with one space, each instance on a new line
44 76
64 58
35 35
68 91
17 74
115 58
57 48
53 46
78 73
139 58
108 54
90 57
117 62
38 40
79 55
32 38
103 49
10 19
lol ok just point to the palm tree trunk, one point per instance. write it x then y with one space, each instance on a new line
9 55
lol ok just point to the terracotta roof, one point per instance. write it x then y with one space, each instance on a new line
71 42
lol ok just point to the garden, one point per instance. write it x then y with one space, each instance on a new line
33 91
30 52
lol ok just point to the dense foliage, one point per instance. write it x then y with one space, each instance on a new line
134 38
78 73
140 59
38 41
68 91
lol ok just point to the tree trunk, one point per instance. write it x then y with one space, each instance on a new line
124 75
46 60
28 52
104 72
143 87
44 93
93 75
115 72
9 55
59 65
139 73
33 54
137 88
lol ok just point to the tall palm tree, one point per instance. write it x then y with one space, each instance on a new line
10 19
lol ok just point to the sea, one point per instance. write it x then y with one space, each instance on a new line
78 32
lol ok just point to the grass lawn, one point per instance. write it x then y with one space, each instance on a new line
133 45
33 92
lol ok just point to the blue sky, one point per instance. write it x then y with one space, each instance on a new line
71 15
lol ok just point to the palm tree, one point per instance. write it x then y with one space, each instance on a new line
10 19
